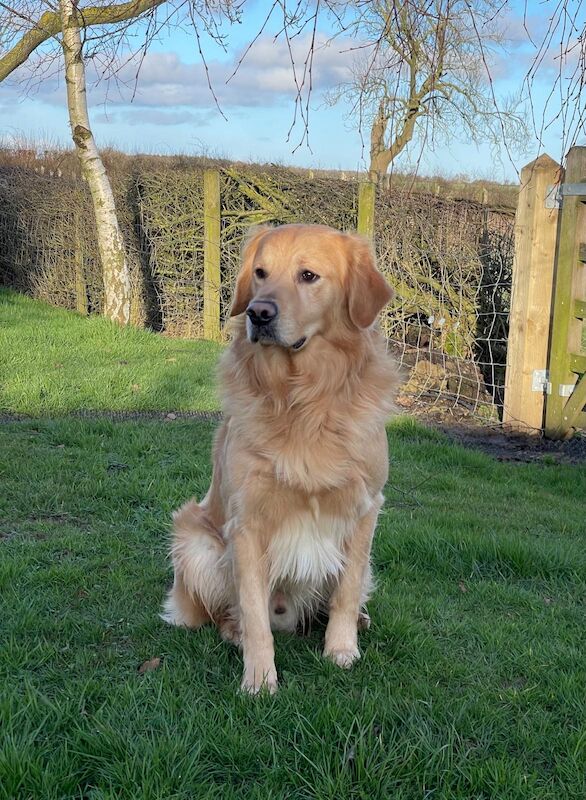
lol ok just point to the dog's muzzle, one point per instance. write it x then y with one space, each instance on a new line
261 318
262 324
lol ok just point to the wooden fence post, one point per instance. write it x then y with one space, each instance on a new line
531 296
211 254
566 358
366 198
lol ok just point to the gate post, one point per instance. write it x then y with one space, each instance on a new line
366 200
564 405
533 269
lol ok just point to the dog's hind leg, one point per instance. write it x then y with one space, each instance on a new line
202 588
183 608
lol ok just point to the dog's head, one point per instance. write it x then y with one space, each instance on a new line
297 281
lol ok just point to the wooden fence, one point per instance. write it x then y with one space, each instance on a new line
545 383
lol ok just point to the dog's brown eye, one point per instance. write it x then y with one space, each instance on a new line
260 273
308 277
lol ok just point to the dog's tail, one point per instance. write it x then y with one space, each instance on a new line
193 518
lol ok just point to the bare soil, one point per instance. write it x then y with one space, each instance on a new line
515 447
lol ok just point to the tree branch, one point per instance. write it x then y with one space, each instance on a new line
50 24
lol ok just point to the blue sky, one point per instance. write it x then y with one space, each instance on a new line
171 109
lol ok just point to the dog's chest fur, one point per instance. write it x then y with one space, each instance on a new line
308 548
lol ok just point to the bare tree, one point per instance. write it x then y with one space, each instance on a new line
110 242
422 69
26 30
27 25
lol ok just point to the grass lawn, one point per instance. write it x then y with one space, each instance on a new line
53 362
472 684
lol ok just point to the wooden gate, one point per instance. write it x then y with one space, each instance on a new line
545 384
565 403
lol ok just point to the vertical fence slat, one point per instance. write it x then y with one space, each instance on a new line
366 198
533 269
211 254
570 281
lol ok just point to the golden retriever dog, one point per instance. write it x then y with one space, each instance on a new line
301 458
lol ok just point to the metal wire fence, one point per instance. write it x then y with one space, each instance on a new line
449 261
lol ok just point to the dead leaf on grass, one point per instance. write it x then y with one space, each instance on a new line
149 666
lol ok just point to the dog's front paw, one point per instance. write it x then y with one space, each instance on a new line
257 680
342 656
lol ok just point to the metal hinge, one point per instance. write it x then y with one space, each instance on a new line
540 381
557 191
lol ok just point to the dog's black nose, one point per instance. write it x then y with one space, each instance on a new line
261 312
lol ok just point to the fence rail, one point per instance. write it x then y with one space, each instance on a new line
567 360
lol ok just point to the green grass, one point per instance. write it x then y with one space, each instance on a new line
53 362
472 681
472 684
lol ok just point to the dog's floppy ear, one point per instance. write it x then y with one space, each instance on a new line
368 291
243 291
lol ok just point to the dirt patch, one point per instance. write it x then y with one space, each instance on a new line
464 424
516 447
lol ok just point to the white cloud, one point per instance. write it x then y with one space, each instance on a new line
154 116
162 80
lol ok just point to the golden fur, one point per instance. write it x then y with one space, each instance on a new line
301 457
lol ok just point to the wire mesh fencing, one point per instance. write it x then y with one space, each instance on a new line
451 266
449 262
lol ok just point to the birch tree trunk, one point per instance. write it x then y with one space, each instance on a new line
110 243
